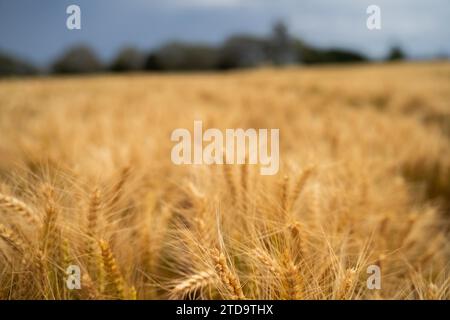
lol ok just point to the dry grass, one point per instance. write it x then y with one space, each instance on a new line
86 179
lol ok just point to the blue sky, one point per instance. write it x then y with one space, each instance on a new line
36 29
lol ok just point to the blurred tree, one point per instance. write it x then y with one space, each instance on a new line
343 56
79 59
396 53
310 55
182 56
243 51
152 62
128 59
10 66
281 46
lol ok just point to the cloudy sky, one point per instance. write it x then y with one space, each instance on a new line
36 29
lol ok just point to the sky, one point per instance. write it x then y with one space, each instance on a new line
36 29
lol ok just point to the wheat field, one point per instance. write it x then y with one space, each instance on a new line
86 179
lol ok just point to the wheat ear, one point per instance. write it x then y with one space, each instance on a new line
91 231
268 262
298 239
293 282
193 284
10 238
14 204
94 209
230 280
299 186
347 284
291 278
118 188
49 233
115 286
89 290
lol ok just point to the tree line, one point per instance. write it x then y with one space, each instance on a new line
237 51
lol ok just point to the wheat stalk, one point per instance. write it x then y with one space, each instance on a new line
244 184
284 194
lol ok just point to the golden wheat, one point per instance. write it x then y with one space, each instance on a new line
364 180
